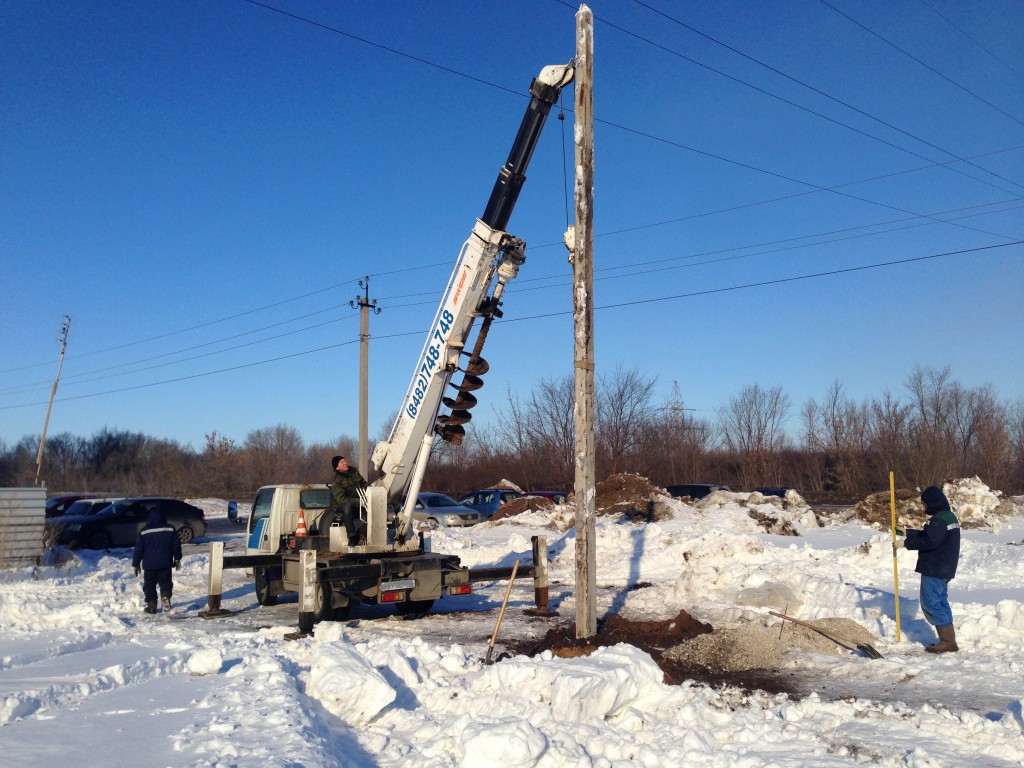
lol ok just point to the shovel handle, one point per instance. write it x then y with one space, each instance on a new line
501 613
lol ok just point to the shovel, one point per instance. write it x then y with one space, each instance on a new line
865 648
501 613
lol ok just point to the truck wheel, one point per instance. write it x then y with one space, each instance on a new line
322 608
262 579
414 607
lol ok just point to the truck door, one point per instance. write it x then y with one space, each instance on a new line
261 540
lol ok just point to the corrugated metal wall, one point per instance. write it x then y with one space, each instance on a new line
22 521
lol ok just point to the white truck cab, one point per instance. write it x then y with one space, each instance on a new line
275 514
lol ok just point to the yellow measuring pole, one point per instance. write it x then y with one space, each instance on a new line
895 564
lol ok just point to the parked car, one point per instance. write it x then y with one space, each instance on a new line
58 505
438 510
118 524
90 506
558 497
487 501
695 490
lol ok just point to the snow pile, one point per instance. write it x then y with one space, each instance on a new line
344 681
205 662
80 663
975 504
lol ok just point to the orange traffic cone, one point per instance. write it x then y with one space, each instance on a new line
300 529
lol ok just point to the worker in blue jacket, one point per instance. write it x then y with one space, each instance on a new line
938 548
157 550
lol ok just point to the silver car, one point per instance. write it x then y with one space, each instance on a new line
438 510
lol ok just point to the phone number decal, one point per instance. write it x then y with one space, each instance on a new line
429 363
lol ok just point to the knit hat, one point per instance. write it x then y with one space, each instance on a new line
335 460
934 499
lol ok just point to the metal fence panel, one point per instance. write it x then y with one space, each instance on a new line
22 524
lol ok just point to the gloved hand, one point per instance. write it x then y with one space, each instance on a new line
137 570
898 545
177 564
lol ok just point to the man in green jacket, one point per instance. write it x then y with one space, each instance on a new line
345 496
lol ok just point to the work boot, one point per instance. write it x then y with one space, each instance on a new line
947 640
151 606
166 602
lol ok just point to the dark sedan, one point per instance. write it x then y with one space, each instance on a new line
118 525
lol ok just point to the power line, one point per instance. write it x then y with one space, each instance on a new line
777 281
519 289
923 64
816 187
417 59
811 88
479 80
620 305
970 37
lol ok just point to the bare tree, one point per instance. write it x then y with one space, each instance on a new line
1015 436
543 427
753 430
622 414
838 431
273 455
890 424
220 465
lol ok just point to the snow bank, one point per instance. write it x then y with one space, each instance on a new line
344 681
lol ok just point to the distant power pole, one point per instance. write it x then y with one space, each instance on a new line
582 248
365 305
53 391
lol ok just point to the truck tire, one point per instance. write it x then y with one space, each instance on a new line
262 578
414 607
322 608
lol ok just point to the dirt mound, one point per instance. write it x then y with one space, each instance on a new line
521 505
748 655
655 637
632 496
876 508
658 638
757 646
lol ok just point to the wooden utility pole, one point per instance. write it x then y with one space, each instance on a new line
580 241
53 391
365 305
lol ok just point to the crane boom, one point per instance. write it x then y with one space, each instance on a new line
489 253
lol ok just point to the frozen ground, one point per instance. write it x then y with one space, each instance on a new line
86 677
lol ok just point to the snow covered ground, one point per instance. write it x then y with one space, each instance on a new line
86 678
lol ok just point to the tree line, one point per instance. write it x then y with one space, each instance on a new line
933 430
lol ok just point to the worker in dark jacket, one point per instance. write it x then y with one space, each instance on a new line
938 548
157 550
345 497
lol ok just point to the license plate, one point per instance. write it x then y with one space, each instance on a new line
397 585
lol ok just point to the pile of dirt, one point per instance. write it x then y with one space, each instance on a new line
757 646
656 638
877 508
632 496
521 505
746 656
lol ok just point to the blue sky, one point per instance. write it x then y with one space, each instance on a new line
200 186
